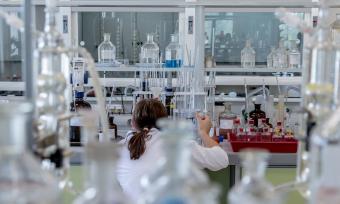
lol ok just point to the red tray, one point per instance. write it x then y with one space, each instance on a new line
275 147
280 145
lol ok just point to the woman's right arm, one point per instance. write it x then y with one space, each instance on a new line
211 156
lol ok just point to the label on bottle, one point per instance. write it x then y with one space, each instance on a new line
112 133
76 121
330 169
294 59
168 55
327 189
107 55
226 124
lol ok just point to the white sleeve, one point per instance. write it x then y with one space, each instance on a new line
214 158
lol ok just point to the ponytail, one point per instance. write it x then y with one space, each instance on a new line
137 144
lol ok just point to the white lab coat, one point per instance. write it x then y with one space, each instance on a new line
130 171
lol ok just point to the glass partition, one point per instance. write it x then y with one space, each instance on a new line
10 49
128 31
227 33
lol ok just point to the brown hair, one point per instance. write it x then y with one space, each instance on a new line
144 117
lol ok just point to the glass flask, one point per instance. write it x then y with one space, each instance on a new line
270 58
21 178
257 114
149 51
75 125
173 53
336 29
176 179
248 56
101 185
294 56
280 59
226 119
325 168
106 51
253 188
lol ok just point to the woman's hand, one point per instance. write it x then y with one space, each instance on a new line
204 123
204 126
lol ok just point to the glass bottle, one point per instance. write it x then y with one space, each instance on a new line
278 131
336 29
325 168
149 51
176 179
226 120
257 114
270 58
251 131
101 185
21 178
253 188
248 56
106 51
113 129
294 56
173 53
281 56
75 125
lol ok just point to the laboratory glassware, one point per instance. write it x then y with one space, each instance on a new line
21 178
257 114
325 148
270 58
173 53
336 29
77 105
101 185
253 187
176 179
280 59
149 51
294 56
248 56
226 119
106 51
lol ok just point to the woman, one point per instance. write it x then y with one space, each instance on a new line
142 148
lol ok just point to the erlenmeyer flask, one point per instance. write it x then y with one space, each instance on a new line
21 178
176 179
253 188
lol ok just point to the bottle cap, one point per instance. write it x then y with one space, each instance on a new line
220 138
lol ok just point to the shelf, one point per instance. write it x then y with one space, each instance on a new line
257 69
242 99
12 86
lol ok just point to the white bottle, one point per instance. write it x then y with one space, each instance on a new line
248 56
294 56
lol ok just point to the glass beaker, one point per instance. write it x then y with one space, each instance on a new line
248 56
176 179
106 51
149 51
226 119
21 178
253 188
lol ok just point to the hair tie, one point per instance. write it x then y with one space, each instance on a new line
146 129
